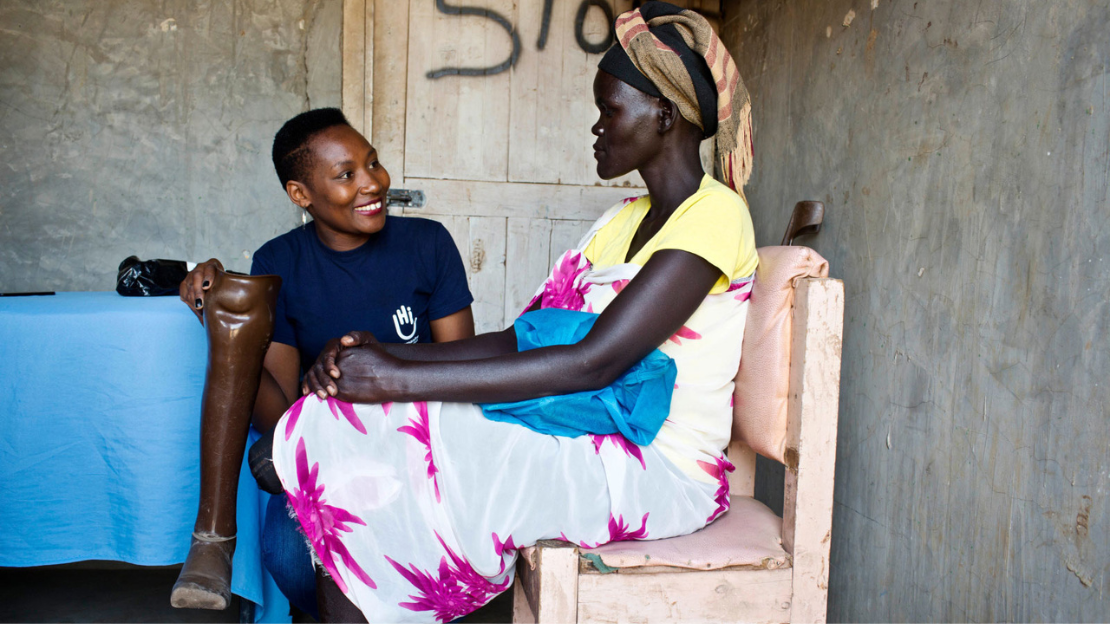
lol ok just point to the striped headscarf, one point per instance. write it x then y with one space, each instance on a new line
684 61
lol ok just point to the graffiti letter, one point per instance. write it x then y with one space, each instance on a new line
580 19
479 71
545 24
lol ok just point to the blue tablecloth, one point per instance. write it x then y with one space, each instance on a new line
100 434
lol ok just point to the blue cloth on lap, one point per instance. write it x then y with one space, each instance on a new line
635 405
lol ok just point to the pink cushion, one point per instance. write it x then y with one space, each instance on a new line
763 381
748 534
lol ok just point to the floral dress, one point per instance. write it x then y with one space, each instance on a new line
417 510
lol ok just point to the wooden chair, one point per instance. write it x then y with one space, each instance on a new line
749 565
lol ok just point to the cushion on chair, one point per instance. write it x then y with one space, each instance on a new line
748 534
763 381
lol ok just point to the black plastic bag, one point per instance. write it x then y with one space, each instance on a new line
150 278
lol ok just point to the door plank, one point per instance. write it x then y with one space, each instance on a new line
552 100
353 68
527 251
487 272
537 201
565 235
389 76
457 126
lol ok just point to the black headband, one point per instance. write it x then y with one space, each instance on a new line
617 63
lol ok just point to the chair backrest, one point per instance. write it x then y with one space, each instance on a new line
763 380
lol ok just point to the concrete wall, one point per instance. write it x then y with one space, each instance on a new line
143 127
963 153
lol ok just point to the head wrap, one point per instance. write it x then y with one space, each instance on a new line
666 51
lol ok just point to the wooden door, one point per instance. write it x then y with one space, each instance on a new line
504 158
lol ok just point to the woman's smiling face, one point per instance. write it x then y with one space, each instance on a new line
627 126
345 190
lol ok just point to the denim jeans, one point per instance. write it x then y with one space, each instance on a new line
285 555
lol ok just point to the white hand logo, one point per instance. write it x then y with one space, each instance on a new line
402 317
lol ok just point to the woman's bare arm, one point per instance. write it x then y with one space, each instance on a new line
649 310
453 327
277 389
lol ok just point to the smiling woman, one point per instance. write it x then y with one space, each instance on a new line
345 189
351 267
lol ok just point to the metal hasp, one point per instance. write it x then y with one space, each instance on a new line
404 198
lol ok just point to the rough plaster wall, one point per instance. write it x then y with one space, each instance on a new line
142 127
963 152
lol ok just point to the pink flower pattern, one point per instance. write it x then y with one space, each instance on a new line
455 591
719 471
294 415
338 407
323 523
684 332
619 441
619 531
619 285
564 288
502 548
419 429
563 536
745 288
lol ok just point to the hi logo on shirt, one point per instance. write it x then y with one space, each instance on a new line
405 324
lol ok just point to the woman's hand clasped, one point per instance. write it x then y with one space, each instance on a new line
352 368
196 284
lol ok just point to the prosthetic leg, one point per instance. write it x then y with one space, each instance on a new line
239 319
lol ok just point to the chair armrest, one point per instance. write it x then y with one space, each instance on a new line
812 416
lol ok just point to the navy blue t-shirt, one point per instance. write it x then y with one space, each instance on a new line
406 275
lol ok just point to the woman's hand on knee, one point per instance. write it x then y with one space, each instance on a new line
320 379
369 375
196 284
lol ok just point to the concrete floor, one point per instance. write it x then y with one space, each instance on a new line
84 592
116 592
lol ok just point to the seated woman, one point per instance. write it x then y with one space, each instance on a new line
349 267
415 503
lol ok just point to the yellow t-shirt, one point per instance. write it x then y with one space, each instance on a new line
713 223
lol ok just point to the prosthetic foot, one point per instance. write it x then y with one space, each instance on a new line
239 319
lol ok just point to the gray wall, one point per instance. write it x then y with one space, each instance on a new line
143 127
963 153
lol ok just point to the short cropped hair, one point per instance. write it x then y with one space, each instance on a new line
291 154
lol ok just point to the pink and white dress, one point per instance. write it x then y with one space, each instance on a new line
417 509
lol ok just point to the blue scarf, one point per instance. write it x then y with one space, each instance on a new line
635 405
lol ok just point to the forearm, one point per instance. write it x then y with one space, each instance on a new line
478 347
513 377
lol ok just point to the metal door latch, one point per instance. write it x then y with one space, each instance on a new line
404 198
